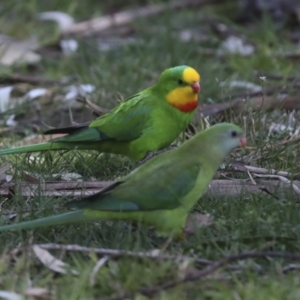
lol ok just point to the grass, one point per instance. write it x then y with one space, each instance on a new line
247 223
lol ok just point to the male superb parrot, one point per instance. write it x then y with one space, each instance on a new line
160 192
148 121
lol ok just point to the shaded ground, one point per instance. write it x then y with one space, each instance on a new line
133 61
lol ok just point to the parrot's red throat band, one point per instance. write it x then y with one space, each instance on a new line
187 107
183 98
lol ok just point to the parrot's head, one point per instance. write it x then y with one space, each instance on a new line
181 85
225 137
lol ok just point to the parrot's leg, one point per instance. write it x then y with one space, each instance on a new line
166 244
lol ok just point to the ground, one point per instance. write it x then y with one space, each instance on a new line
248 222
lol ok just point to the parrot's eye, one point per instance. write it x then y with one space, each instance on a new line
233 133
180 81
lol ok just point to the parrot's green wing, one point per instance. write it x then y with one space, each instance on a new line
124 123
144 193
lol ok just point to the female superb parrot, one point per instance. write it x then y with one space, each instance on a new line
160 192
148 121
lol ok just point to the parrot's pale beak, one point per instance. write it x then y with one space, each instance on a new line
243 142
196 87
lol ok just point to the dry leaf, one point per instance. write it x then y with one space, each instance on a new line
8 295
10 122
63 20
29 177
4 169
11 96
5 97
4 177
36 292
14 51
197 220
70 176
51 262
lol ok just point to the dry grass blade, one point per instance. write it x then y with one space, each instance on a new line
100 263
197 220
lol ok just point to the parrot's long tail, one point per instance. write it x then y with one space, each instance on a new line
34 148
66 218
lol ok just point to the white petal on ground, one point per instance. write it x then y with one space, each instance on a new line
76 90
68 46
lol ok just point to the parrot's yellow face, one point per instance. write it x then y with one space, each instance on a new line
185 96
190 75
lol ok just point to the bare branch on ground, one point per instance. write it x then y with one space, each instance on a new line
122 18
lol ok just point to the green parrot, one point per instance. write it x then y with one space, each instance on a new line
148 121
160 192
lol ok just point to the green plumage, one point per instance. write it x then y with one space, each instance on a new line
143 123
160 192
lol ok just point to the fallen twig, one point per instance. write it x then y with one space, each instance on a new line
242 106
10 79
217 188
120 19
154 254
237 166
283 179
97 110
237 187
55 189
150 292
290 267
238 105
267 173
293 139
292 79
